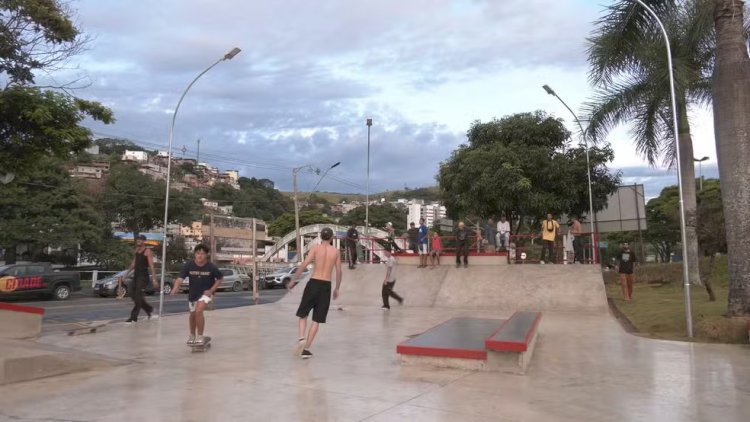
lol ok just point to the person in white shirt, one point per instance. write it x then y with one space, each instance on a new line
390 280
503 233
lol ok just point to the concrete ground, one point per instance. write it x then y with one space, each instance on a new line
586 368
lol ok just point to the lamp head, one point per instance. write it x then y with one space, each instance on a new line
233 52
549 90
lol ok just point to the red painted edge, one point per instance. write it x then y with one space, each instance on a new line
513 346
441 352
21 308
399 254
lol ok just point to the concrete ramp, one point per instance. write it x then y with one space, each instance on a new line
508 288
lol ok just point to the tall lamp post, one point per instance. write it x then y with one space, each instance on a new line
233 52
367 192
685 272
298 235
592 216
700 169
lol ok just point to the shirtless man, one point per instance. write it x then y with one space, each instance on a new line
317 294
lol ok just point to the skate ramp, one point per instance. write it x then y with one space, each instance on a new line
508 288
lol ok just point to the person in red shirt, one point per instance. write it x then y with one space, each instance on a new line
436 249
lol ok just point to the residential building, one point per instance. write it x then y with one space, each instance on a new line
95 170
431 213
154 170
137 156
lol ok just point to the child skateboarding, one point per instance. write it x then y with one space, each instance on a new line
204 278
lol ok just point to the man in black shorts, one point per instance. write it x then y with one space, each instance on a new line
204 278
317 294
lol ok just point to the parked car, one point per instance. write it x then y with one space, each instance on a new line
232 280
38 279
107 287
281 277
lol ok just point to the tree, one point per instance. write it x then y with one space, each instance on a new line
177 252
39 36
731 84
663 221
44 207
136 201
284 224
379 216
629 67
523 166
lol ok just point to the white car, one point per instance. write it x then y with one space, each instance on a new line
282 277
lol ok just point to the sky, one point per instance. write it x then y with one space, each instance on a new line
310 74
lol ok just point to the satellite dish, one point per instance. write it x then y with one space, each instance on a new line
7 178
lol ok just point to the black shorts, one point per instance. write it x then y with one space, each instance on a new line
316 297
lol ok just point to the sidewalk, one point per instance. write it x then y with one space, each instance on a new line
585 369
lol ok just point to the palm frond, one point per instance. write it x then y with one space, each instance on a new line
614 105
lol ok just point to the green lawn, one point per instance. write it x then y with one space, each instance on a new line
658 306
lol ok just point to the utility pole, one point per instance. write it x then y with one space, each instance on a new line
296 215
367 193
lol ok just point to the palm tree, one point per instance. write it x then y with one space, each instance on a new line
630 70
731 100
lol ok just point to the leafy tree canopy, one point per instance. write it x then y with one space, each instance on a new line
523 165
379 216
285 223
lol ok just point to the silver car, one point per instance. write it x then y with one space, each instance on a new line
282 277
108 286
232 280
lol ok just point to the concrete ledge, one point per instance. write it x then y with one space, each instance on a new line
20 322
449 259
444 362
510 361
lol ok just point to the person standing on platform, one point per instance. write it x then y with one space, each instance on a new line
625 266
436 249
422 240
575 231
352 238
413 234
463 234
550 228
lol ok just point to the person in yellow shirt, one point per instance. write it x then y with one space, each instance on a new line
550 228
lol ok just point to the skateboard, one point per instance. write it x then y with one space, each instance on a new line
201 347
87 327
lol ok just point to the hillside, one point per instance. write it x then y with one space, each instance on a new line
431 193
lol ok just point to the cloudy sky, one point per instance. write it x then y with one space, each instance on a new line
311 72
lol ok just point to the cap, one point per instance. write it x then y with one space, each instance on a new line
141 237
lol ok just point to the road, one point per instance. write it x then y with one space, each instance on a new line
83 307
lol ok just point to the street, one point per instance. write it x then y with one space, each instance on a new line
83 307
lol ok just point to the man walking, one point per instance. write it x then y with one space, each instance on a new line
550 227
503 233
422 240
204 278
390 281
317 294
352 238
141 266
462 244
575 231
625 264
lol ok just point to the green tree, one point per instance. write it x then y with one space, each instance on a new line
44 207
136 202
177 253
523 166
36 36
379 216
663 222
629 69
284 224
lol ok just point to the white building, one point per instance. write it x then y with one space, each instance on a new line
155 171
430 212
138 156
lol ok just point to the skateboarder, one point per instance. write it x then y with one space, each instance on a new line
390 281
317 294
205 278
142 265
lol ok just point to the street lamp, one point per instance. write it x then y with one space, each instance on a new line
367 192
550 91
233 52
700 169
685 272
296 170
324 175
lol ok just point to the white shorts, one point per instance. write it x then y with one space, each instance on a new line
423 249
192 305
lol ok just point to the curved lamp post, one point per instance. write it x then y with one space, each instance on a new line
592 216
685 272
233 52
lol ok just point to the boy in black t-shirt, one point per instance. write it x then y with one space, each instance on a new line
625 264
205 278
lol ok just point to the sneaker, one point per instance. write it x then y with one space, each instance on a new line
191 340
401 301
130 321
300 346
385 308
198 341
306 354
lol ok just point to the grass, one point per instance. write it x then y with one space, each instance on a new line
658 306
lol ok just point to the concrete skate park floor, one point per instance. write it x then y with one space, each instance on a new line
585 369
